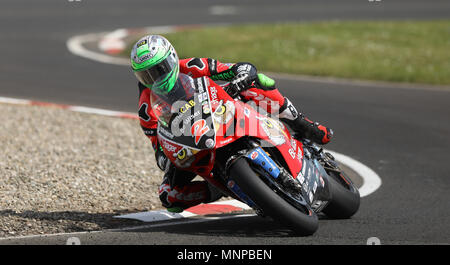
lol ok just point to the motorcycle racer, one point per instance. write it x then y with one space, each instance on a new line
156 65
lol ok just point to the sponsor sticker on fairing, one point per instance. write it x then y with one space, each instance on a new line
305 186
198 129
264 161
187 105
165 133
213 93
236 190
168 146
300 178
272 131
299 154
292 153
209 143
226 141
293 143
200 87
311 197
322 182
206 109
202 97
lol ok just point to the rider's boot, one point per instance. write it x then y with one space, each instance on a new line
303 127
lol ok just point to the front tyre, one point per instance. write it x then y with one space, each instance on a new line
271 203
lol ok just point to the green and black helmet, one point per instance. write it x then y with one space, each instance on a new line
155 63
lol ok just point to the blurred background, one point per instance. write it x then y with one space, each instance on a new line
37 64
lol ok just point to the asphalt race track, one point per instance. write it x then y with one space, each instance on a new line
401 133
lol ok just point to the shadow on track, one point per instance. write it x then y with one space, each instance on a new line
78 221
246 226
69 221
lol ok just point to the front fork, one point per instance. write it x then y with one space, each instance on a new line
315 190
264 165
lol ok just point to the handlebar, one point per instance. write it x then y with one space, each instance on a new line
227 88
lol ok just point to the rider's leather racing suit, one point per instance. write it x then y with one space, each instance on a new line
178 191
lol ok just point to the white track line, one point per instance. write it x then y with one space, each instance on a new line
113 41
75 45
97 111
82 109
234 203
371 180
163 215
15 101
186 221
156 216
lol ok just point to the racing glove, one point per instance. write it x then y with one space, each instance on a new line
245 75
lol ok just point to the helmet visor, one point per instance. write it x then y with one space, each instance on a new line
157 72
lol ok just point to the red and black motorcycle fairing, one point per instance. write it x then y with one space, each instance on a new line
198 118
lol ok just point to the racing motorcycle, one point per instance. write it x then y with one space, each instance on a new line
250 156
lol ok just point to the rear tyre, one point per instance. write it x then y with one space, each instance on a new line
345 197
271 203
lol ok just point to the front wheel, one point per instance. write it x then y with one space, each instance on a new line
270 202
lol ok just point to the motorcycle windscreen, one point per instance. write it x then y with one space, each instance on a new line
184 115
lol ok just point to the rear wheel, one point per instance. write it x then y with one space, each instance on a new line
345 196
271 203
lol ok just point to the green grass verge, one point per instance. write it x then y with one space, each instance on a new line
402 51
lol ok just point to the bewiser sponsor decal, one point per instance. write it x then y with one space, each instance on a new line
198 129
254 155
300 154
213 95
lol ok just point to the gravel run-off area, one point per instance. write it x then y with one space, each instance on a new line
63 171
